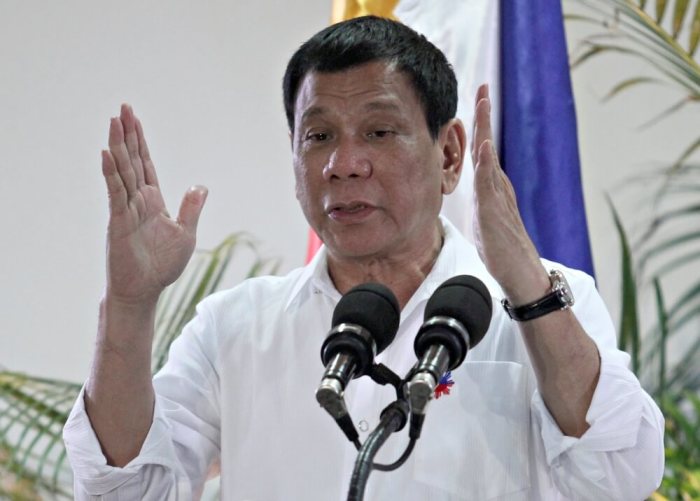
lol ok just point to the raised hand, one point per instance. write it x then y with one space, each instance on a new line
564 358
500 236
146 249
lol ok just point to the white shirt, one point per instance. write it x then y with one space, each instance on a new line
237 396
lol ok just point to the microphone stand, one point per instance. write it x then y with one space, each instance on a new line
393 418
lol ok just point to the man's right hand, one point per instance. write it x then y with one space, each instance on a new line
146 249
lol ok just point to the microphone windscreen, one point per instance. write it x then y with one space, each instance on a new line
372 306
466 299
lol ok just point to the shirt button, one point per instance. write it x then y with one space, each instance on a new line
363 425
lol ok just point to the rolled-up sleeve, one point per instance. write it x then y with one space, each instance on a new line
181 448
621 455
156 473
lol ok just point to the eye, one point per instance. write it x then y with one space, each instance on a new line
316 136
381 133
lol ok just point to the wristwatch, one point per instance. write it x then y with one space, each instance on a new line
559 298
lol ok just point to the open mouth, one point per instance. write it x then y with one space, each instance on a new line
350 209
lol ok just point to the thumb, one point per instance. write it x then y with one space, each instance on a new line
191 208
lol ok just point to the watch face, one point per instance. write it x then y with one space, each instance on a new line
561 287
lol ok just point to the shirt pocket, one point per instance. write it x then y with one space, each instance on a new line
474 443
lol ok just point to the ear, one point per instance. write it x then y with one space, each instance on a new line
453 140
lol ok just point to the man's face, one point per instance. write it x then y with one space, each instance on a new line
369 177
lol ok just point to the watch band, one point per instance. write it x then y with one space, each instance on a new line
559 298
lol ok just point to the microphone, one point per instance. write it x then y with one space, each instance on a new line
457 317
365 322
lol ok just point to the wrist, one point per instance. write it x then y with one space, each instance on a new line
126 327
528 287
558 297
137 307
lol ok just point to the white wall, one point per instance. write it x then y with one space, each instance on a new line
205 79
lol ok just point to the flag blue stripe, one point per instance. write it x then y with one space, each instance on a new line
539 148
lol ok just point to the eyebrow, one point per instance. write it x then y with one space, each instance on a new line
315 111
382 106
311 113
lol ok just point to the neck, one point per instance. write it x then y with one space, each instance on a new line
402 273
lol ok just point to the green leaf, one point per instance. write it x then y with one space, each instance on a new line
678 262
665 114
582 18
679 12
33 410
665 217
629 324
202 277
685 373
685 301
662 51
593 50
694 31
660 10
666 245
678 164
685 428
626 84
663 326
33 413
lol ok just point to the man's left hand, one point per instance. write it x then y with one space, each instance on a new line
499 233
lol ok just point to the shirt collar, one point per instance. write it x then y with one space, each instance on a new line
457 257
314 277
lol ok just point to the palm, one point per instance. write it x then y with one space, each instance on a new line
500 236
147 249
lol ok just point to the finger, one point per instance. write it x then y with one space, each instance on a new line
481 92
117 147
493 178
116 190
132 143
484 173
191 208
482 121
149 170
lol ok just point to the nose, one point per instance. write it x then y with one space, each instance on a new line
347 161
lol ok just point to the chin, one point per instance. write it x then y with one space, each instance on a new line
352 248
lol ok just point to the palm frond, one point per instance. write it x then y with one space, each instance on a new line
629 83
629 323
694 31
32 413
682 261
665 114
663 249
663 339
204 276
681 160
679 12
670 243
637 32
33 463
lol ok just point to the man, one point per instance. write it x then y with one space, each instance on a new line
543 408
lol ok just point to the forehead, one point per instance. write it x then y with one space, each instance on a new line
372 86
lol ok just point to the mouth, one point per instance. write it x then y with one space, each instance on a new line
350 210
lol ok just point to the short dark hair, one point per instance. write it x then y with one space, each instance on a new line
367 39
